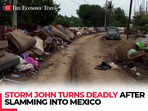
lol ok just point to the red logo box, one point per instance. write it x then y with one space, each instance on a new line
4 109
7 8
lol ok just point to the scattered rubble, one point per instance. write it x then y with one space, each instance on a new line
22 51
103 66
133 57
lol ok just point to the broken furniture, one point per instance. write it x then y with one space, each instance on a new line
7 60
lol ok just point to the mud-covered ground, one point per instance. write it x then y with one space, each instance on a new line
76 64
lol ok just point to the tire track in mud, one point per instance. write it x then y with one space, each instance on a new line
63 69
75 65
89 54
83 62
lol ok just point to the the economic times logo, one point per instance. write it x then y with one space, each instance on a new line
4 109
9 8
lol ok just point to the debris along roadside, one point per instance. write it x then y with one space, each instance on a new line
133 57
21 51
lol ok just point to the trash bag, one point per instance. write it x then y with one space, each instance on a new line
131 51
22 66
141 46
103 66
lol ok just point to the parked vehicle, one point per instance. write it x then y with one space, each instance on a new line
112 33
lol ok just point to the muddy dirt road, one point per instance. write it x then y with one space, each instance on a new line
76 64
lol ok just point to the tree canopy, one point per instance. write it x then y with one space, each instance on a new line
68 21
94 15
141 20
91 15
119 18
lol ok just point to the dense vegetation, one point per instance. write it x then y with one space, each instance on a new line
88 15
94 15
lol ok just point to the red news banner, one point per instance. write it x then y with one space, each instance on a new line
62 98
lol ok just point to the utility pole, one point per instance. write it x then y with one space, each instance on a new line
129 19
14 17
105 22
110 6
146 6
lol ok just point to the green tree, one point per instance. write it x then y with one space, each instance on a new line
75 22
94 15
63 20
141 20
91 15
141 23
68 21
119 17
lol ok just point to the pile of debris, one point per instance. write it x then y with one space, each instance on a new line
80 31
133 57
21 51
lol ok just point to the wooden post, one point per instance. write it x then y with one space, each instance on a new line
129 19
105 21
14 17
